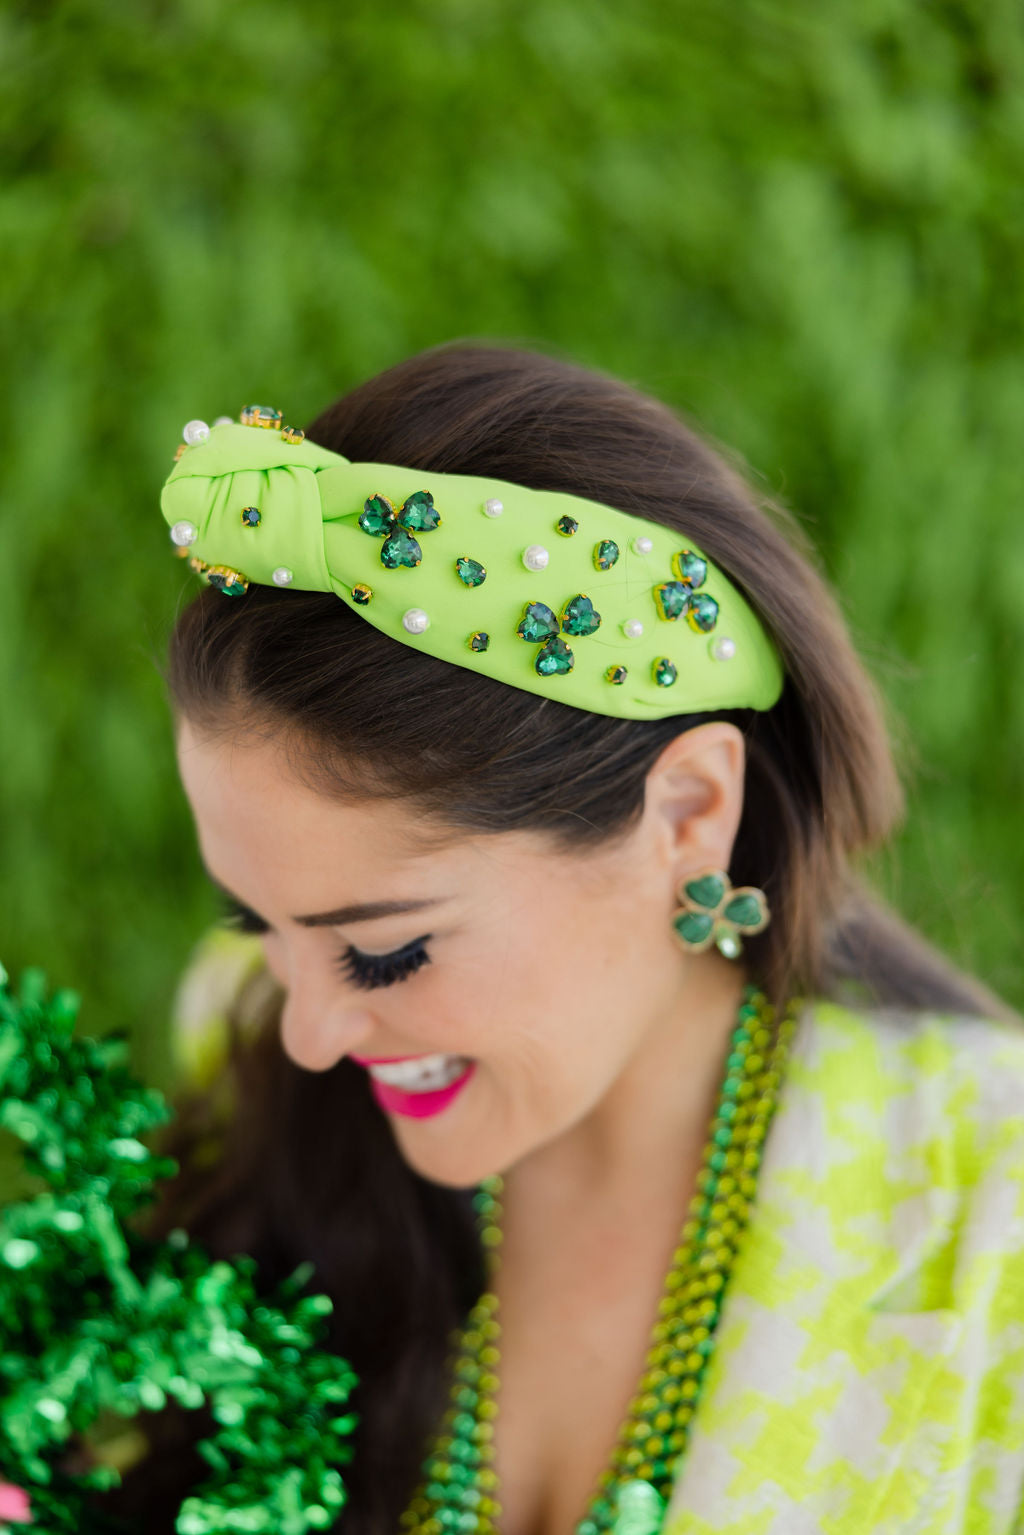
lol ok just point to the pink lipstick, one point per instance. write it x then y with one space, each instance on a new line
423 1105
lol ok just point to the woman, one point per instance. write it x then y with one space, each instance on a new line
756 1169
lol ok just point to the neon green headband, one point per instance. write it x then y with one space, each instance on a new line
546 591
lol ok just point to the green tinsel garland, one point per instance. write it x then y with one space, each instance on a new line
95 1319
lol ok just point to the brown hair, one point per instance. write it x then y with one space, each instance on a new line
308 1168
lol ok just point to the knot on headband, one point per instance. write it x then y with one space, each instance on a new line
543 590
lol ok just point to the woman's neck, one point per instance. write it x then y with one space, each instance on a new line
641 1143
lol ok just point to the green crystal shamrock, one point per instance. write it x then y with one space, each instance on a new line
711 911
540 625
681 599
417 514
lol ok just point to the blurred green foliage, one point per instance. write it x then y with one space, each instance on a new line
800 223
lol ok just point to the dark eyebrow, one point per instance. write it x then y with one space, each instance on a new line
344 916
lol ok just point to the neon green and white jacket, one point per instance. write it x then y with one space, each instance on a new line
868 1373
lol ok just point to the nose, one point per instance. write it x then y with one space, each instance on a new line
318 1024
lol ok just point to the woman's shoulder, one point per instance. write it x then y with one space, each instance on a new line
876 1308
929 1078
900 1135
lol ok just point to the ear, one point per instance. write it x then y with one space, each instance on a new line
694 798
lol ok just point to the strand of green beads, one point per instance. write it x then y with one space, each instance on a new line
656 1431
458 1490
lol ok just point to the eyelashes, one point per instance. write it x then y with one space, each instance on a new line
367 971
370 970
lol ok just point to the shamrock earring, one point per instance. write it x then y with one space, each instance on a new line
711 911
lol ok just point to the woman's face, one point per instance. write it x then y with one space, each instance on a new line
534 976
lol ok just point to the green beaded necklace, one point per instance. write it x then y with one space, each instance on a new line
458 1491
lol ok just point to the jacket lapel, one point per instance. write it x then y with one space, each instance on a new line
822 1408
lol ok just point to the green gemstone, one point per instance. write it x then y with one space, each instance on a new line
703 613
226 584
539 623
361 593
251 516
471 572
664 672
606 553
400 548
579 617
616 674
554 657
261 415
706 891
567 526
479 640
694 926
418 513
689 567
377 516
673 598
744 910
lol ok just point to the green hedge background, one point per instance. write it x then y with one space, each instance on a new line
800 223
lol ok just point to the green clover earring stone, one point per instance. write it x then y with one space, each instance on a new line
745 910
694 927
470 572
707 890
711 911
579 617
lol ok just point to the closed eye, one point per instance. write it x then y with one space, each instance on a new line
371 970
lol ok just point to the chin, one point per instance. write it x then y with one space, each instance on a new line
455 1167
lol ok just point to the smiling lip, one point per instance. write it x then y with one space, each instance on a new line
416 1105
